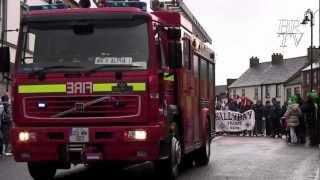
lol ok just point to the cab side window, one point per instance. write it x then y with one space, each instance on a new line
204 78
187 52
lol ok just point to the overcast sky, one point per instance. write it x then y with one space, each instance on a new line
244 28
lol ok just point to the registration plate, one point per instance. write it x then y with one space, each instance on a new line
114 60
79 135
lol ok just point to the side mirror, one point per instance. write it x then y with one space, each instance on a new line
174 34
175 55
4 59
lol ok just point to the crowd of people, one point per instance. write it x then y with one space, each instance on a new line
5 125
296 120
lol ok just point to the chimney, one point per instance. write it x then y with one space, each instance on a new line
277 58
254 61
316 54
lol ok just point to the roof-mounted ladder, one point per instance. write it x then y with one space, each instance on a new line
180 6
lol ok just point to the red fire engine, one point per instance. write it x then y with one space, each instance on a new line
112 84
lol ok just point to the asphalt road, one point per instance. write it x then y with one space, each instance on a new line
239 158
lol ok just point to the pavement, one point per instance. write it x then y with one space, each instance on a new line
234 158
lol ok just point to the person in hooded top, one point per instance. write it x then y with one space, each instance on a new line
292 118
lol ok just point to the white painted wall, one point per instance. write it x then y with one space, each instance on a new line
250 93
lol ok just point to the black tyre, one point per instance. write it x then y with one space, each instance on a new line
41 171
202 156
187 162
168 169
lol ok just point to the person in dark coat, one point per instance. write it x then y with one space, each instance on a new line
233 105
5 118
258 112
275 118
267 117
5 100
309 111
299 99
1 135
282 120
5 131
284 108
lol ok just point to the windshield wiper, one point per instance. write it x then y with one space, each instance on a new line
107 66
41 72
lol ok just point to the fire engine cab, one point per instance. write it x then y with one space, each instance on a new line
115 84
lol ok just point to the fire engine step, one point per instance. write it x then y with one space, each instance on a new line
75 152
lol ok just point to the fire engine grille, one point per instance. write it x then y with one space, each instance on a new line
82 107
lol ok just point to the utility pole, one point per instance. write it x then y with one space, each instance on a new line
309 17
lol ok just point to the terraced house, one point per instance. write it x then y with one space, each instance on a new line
279 78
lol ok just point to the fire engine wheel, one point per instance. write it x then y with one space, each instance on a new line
169 169
187 162
202 156
40 171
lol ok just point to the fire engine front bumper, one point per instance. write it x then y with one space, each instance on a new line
65 144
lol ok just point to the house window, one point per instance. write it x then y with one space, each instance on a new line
278 90
307 78
267 91
234 92
288 93
256 93
243 92
296 90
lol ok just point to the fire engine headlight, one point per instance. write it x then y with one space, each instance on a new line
24 136
42 105
137 135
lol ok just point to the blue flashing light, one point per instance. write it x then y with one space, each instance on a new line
136 4
47 7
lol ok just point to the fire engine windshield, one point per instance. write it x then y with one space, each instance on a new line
101 45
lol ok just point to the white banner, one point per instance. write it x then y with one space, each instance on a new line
231 121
